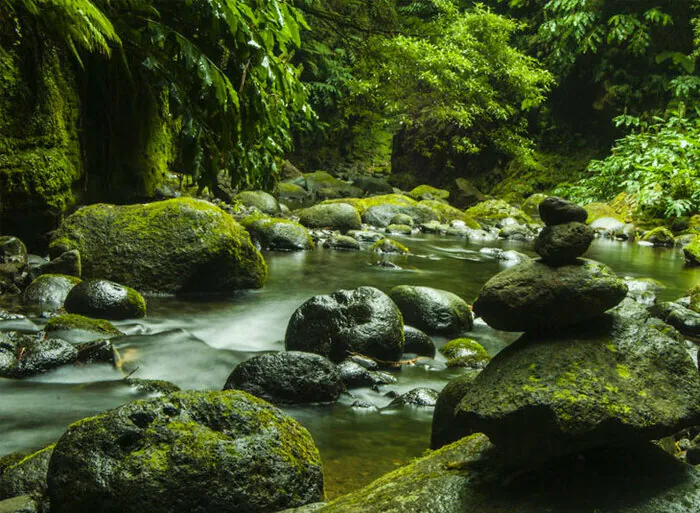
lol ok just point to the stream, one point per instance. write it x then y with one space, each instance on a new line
196 344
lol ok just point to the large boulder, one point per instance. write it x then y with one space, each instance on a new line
467 476
288 378
105 299
23 356
177 246
188 451
336 216
611 382
434 311
535 296
48 292
278 234
362 320
263 201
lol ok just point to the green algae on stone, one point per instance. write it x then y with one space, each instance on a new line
69 322
336 216
388 246
464 347
181 245
660 236
449 213
427 192
229 450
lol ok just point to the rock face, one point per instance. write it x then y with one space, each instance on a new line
563 243
188 451
176 246
22 356
554 211
363 320
49 291
288 378
614 381
337 216
278 234
105 299
463 478
434 311
535 296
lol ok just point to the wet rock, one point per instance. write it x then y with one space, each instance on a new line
563 243
515 232
366 362
278 234
381 213
336 216
401 229
491 213
444 429
22 356
48 292
389 246
152 386
67 263
418 342
434 227
176 246
342 242
692 252
535 296
263 201
401 219
288 378
434 311
465 352
355 375
365 235
611 382
105 299
363 320
293 196
660 236
362 406
554 211
685 320
418 397
72 322
227 450
626 232
607 226
97 351
27 476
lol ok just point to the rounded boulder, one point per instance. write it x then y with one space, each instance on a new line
105 299
434 311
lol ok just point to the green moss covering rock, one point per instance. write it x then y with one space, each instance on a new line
68 263
660 236
104 299
27 476
491 213
601 210
21 504
614 381
447 213
69 322
427 192
48 292
278 234
400 229
389 246
228 450
444 430
326 186
692 252
293 195
263 201
531 205
336 216
342 242
694 223
176 246
460 347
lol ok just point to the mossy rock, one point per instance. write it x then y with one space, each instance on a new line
69 322
333 187
278 234
104 299
600 210
400 229
27 476
401 219
381 214
611 382
177 246
68 263
447 213
490 213
692 252
389 246
228 450
336 216
695 299
531 205
49 291
464 347
263 201
293 195
660 236
694 223
427 192
342 242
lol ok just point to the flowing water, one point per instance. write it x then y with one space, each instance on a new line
196 344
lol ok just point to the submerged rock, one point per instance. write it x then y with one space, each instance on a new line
614 381
288 378
362 320
226 450
105 299
176 246
48 292
434 311
535 296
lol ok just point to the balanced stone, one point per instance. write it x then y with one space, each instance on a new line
555 210
563 243
614 381
536 296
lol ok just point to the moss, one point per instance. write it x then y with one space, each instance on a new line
388 246
694 223
78 322
660 236
30 457
428 192
491 211
599 210
447 213
692 252
460 347
362 204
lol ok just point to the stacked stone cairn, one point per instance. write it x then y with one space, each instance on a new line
582 375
